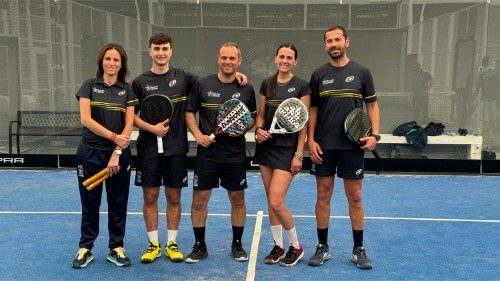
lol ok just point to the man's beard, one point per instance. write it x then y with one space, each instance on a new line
337 56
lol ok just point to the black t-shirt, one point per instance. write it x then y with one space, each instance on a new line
108 105
336 91
175 84
295 88
207 96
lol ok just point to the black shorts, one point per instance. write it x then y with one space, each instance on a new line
274 156
171 171
207 175
347 163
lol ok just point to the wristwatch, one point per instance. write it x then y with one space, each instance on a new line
118 151
376 136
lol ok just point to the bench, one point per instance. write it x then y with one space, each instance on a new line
474 144
43 123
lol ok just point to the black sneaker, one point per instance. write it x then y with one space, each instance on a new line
118 257
276 254
359 257
292 256
237 252
198 253
320 256
83 258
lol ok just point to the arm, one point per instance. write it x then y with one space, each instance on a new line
261 134
314 148
374 116
200 138
297 159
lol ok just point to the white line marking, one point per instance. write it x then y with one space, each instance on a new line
254 250
253 215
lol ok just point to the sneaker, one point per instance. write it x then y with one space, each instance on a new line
237 251
359 257
276 254
320 256
172 252
83 258
152 252
118 257
292 256
198 253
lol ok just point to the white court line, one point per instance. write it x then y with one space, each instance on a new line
254 250
252 215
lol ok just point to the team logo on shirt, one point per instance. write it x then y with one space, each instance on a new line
172 83
98 91
236 95
151 88
327 81
349 79
213 94
121 93
291 89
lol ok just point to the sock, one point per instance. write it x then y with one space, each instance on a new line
153 235
199 234
171 235
357 236
323 236
292 237
237 233
277 235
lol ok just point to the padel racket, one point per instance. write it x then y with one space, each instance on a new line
290 117
357 125
96 179
233 117
156 109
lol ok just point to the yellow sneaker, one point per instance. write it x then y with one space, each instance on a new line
172 252
152 252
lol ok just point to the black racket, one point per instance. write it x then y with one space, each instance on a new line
156 109
233 117
290 117
357 125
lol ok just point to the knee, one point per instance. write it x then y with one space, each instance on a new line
150 199
173 199
276 203
354 197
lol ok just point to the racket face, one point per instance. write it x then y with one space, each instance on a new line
291 115
357 125
156 108
233 117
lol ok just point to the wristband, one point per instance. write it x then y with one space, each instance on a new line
113 137
298 156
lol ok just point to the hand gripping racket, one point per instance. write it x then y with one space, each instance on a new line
96 179
357 125
290 117
156 109
233 117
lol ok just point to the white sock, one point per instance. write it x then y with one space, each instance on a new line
153 235
171 235
292 237
277 235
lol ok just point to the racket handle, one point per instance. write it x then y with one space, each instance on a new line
95 177
97 182
159 141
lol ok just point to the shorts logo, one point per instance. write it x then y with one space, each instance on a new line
128 168
313 167
172 83
242 182
185 179
236 96
195 181
138 177
349 79
291 89
80 171
359 171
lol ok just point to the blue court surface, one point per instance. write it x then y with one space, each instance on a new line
418 227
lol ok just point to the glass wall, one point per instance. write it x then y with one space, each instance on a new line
48 47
